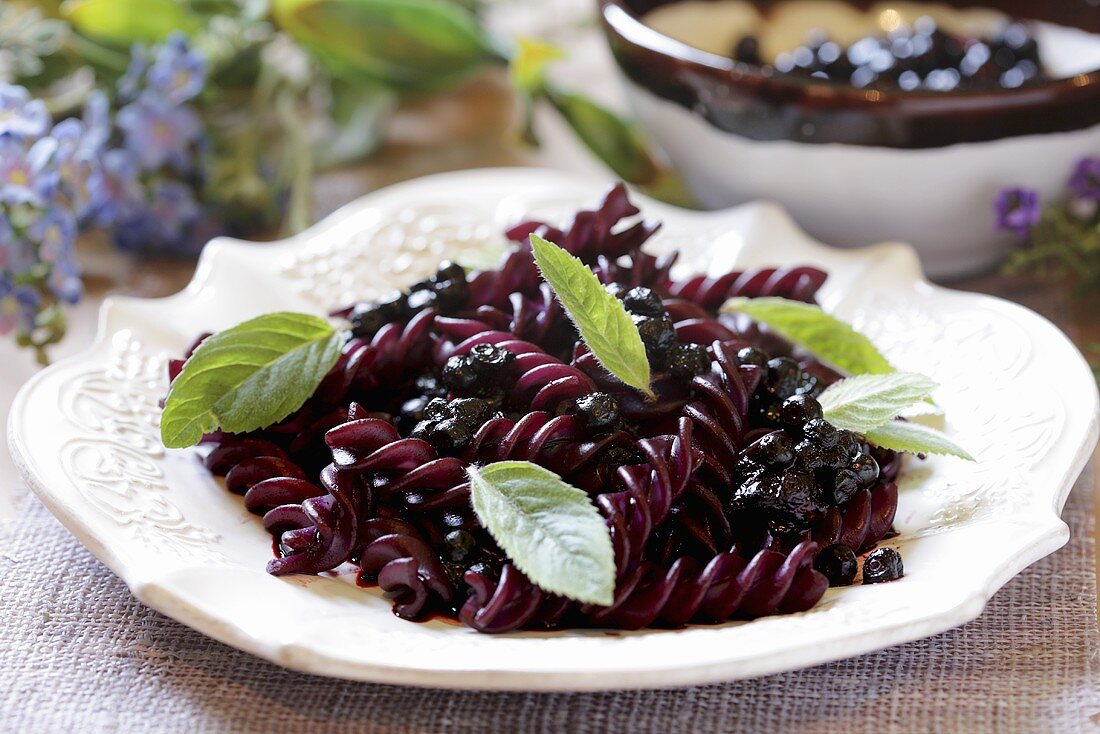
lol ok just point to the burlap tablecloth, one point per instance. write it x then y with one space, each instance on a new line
79 654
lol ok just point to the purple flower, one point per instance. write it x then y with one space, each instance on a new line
178 72
25 176
1018 210
17 255
157 132
20 115
1085 181
54 231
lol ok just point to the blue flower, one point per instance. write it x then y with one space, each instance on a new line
165 223
76 164
133 81
119 192
97 121
54 231
1085 182
20 115
25 175
178 72
64 281
158 132
19 306
1017 210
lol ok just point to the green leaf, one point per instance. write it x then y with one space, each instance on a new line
249 377
404 44
826 337
864 402
915 439
125 22
550 530
601 319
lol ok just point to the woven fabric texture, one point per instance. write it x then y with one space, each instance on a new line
79 654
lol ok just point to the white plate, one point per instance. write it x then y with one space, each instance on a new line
84 433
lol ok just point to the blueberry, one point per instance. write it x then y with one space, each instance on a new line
450 271
773 449
450 434
423 429
688 360
616 289
420 300
368 317
598 410
810 455
451 295
470 411
837 563
799 493
849 443
644 302
753 356
865 469
768 412
488 567
436 409
412 412
747 51
491 363
845 485
459 375
882 564
658 333
822 433
460 545
798 410
783 377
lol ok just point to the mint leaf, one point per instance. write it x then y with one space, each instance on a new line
601 319
826 337
915 439
550 530
864 402
248 377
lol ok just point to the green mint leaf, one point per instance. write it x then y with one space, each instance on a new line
915 439
248 377
826 337
864 402
601 319
550 530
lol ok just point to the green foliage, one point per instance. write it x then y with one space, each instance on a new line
600 317
550 530
248 377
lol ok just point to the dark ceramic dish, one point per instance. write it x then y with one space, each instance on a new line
757 104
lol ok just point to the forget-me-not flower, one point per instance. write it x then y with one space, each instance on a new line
178 72
159 133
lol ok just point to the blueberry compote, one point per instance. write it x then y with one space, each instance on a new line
918 57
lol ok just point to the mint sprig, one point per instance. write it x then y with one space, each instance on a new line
600 318
826 337
869 405
864 402
550 530
248 377
915 438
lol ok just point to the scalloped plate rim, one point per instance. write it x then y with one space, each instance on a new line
1050 532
